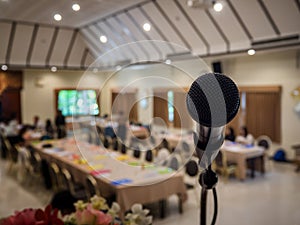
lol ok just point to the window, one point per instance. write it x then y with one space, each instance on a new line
171 106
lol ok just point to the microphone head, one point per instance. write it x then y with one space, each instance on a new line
213 100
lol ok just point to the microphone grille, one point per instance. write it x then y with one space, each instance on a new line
210 97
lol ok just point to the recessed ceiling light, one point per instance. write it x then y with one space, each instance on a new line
251 52
190 3
76 7
147 27
103 38
118 67
53 69
4 67
218 6
168 61
57 17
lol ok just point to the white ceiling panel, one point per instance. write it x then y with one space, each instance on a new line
126 35
76 52
194 42
231 28
94 37
21 44
288 22
89 60
207 29
105 47
138 34
157 17
5 29
115 41
154 34
42 11
60 47
41 46
255 19
201 29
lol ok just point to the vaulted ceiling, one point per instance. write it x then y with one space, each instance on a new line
30 38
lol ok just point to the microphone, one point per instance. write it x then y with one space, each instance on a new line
212 101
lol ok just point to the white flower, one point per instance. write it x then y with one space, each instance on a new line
80 205
139 216
99 203
114 210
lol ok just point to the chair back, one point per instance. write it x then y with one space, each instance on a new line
149 155
55 176
136 152
175 162
191 168
162 156
115 144
67 181
123 148
105 142
12 152
92 187
264 141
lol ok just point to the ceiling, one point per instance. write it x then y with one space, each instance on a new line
31 38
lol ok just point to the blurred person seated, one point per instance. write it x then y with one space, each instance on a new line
49 131
37 123
244 137
229 134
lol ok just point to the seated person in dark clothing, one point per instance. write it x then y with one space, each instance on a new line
229 134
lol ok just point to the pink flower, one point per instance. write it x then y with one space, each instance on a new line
92 217
25 217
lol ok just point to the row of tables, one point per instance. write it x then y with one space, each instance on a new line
235 152
131 180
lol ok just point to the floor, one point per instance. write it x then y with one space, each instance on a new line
273 198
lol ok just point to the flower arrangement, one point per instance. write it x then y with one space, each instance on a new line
94 212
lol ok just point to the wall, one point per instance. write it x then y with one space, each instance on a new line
272 69
39 85
260 69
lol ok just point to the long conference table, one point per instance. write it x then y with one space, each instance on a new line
237 153
131 180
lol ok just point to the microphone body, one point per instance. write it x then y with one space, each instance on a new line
212 101
208 139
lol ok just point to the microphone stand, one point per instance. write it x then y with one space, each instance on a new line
208 180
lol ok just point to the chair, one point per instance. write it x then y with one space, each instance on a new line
265 142
192 171
25 168
136 153
186 151
224 167
149 155
77 190
55 176
123 149
106 142
12 155
175 162
115 144
91 187
162 157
